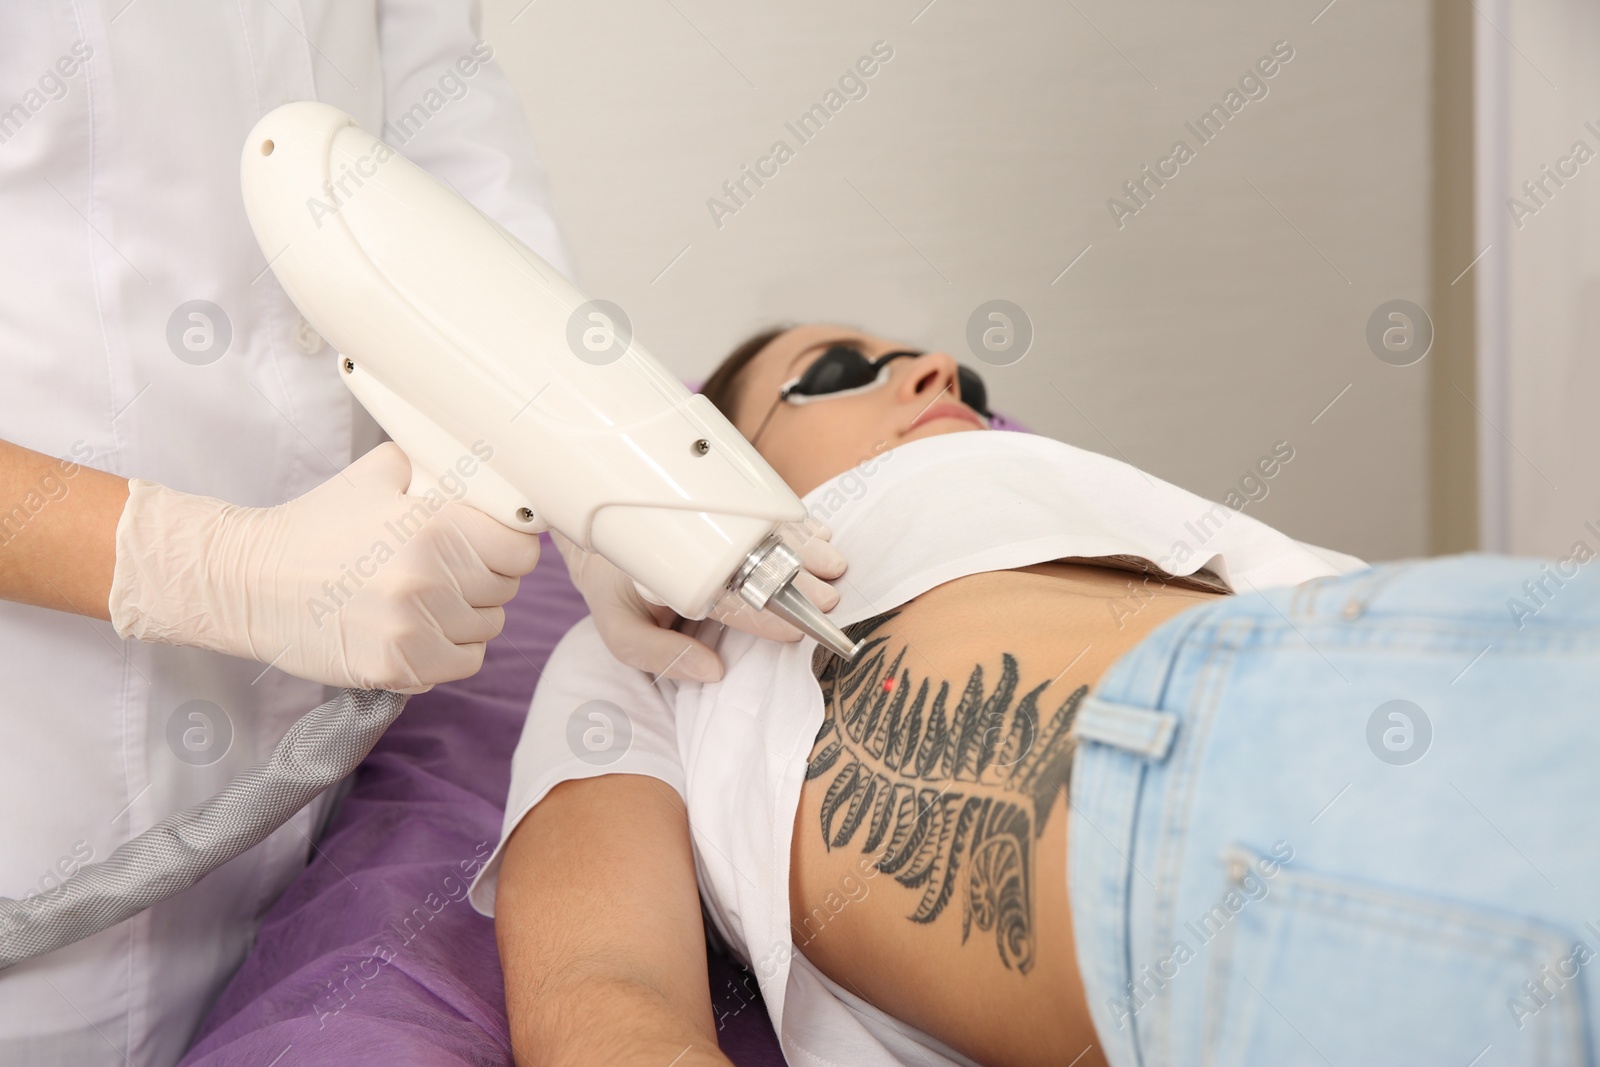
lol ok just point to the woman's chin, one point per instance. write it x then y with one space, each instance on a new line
934 427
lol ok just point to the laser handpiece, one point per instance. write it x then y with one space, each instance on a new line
460 340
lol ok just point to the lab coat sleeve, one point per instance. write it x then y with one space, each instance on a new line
450 108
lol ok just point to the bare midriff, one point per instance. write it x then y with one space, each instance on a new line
963 931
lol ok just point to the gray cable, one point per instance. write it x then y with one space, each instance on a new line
317 751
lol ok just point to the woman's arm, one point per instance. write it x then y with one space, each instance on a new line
598 919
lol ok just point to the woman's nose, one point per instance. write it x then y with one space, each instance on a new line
930 374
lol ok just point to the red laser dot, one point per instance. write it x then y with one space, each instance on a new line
888 684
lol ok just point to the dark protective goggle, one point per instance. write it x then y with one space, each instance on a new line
845 369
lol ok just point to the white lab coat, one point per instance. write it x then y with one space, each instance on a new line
119 202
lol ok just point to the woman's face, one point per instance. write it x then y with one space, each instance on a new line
809 443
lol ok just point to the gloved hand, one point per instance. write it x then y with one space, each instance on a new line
636 629
353 584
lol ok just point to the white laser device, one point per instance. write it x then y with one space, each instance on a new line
463 343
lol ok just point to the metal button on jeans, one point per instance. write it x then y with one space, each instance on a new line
306 339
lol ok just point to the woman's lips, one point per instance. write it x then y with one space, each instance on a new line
947 411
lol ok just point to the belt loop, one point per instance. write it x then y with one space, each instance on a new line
1364 587
1133 729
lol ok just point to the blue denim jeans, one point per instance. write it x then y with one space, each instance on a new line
1352 822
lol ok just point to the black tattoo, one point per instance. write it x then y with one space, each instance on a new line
886 744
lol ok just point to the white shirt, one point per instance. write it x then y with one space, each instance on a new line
121 126
735 750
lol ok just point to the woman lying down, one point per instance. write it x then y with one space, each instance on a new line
1122 776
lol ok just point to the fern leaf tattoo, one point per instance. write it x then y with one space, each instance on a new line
899 757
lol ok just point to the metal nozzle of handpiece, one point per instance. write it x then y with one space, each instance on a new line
766 581
791 605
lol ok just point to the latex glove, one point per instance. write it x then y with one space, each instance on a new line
353 584
637 629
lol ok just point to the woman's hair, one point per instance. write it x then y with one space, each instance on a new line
722 388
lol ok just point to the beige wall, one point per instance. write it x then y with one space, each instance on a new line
1221 319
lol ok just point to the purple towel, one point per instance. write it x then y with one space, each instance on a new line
373 957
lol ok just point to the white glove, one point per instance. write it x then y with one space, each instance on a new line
637 629
353 584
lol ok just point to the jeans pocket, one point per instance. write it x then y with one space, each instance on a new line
1311 969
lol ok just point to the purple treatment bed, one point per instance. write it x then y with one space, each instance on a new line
316 989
